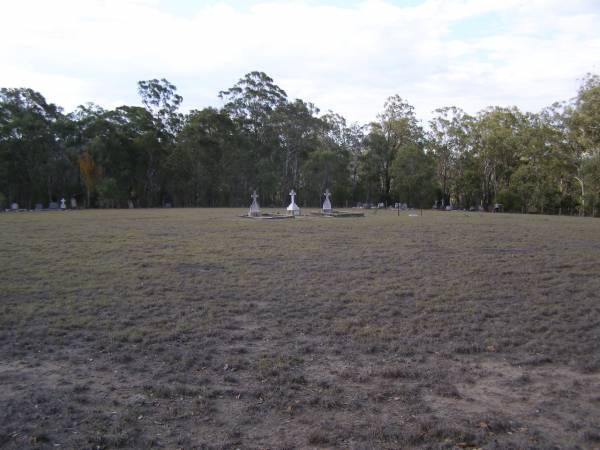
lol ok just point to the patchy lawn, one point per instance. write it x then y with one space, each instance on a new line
195 328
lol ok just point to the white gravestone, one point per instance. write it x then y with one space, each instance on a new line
327 203
254 208
293 209
63 204
73 203
14 206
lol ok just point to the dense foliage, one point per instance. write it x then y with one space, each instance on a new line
548 162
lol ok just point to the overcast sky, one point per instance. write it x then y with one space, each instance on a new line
345 56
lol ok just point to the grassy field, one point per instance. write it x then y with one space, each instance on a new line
199 329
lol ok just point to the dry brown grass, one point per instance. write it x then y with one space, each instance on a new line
198 329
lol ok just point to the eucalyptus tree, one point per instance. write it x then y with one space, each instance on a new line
150 133
397 127
348 142
414 177
328 164
448 138
298 131
125 146
137 159
496 140
161 100
251 104
562 157
585 128
204 166
32 159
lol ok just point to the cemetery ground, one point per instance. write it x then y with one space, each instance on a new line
194 328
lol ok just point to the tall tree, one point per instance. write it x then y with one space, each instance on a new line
160 98
448 138
251 104
396 128
497 145
298 129
413 173
31 152
585 130
204 162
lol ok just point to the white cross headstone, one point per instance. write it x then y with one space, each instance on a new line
63 204
254 208
293 209
327 203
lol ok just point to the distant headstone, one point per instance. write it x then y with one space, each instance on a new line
39 206
63 203
254 208
52 205
167 205
327 209
73 203
14 206
293 209
130 204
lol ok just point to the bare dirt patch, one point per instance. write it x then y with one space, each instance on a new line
521 403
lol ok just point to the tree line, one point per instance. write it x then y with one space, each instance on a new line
151 155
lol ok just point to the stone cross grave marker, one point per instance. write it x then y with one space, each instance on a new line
254 208
293 208
327 203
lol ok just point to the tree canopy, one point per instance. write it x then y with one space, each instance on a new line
150 155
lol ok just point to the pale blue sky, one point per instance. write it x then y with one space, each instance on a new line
186 7
344 56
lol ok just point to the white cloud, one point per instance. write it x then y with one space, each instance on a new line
348 59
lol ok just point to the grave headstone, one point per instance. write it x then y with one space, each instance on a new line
293 209
254 208
52 205
167 205
327 209
130 204
63 203
39 206
73 203
14 206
